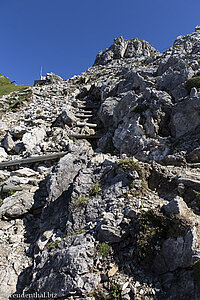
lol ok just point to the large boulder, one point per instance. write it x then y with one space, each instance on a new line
33 138
67 117
106 111
17 204
8 142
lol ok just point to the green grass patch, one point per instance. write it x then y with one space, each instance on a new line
95 189
18 98
115 292
6 87
80 202
78 232
98 294
103 249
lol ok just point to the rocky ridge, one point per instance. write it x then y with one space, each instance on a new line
116 214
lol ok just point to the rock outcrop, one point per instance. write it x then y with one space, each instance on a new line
115 214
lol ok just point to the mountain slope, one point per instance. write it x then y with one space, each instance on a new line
114 213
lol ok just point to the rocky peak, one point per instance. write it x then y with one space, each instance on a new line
129 48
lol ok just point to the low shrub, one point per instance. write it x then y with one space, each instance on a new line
103 249
192 82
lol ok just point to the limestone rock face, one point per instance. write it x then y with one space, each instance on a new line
185 117
101 195
125 48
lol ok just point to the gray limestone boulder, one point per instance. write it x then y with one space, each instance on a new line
175 206
108 234
8 142
17 205
65 118
178 252
105 112
33 138
17 131
53 78
3 154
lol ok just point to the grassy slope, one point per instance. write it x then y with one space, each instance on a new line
6 87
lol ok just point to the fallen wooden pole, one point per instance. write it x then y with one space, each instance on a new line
31 160
86 136
85 112
7 188
84 116
86 108
82 124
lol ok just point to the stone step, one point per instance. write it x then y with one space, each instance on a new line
82 124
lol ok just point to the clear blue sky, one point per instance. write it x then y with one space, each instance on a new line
64 36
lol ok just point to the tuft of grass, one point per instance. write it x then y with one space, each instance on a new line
38 112
97 294
78 232
54 244
115 292
17 98
95 189
81 202
129 165
103 249
154 227
192 82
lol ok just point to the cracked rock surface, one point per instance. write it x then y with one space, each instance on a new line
115 213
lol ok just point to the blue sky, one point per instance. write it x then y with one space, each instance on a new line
64 36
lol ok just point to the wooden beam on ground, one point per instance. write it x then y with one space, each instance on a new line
86 136
30 160
82 124
84 116
194 165
4 188
87 107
